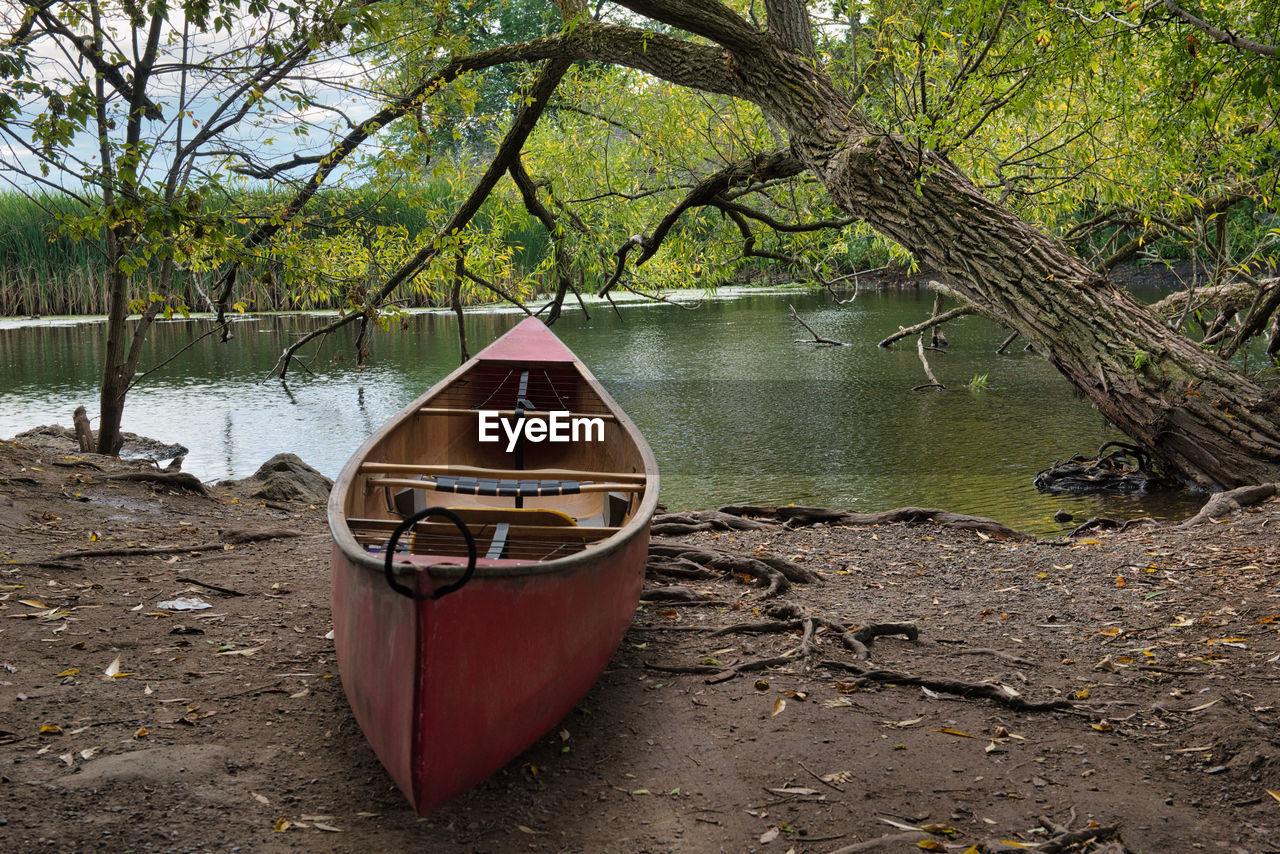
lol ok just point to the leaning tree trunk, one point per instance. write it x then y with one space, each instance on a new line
1203 420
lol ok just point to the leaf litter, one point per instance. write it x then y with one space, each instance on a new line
1063 617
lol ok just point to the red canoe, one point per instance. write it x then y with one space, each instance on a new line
454 669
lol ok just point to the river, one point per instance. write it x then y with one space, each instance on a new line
734 408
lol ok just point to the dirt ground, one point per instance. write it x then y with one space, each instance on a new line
127 727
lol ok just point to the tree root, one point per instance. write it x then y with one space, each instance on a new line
229 539
994 691
789 617
693 521
1103 523
1096 840
173 480
1228 503
775 574
677 595
1124 468
793 517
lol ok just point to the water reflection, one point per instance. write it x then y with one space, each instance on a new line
734 408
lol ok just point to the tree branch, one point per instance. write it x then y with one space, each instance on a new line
707 18
936 320
1220 36
564 265
762 167
507 152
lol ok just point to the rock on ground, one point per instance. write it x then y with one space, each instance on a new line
285 477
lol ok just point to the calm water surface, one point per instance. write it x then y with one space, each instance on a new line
735 410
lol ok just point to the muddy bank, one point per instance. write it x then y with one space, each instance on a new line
128 726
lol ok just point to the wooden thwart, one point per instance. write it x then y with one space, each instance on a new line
431 486
505 474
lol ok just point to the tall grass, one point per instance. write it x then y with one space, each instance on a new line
43 271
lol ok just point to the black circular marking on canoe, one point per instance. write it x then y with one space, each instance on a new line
408 523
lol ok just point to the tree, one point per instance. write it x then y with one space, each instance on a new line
141 113
1204 420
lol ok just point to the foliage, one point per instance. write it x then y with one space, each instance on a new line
1100 119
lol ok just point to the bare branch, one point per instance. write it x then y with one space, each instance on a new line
935 320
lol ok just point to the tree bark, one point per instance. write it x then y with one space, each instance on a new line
114 383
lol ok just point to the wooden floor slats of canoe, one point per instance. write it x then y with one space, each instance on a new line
498 386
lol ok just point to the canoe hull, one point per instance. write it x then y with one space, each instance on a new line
449 690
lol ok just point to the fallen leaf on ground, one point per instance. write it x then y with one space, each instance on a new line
950 731
778 705
1203 706
251 651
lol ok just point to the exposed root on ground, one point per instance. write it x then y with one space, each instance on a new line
787 617
1089 840
172 480
693 521
997 692
796 517
1227 503
677 595
775 574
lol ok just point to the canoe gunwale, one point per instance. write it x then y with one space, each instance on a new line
356 555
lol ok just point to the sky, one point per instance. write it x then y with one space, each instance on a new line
198 74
